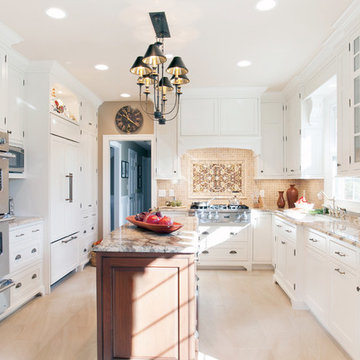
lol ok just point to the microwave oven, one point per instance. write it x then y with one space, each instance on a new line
16 163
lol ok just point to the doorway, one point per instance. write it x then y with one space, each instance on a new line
130 180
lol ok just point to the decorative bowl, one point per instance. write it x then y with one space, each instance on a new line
161 229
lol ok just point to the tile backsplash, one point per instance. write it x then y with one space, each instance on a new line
217 168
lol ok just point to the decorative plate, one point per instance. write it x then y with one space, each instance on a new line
161 229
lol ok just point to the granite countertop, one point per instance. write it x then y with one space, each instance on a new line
130 238
23 220
340 229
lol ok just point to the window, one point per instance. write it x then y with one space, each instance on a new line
347 188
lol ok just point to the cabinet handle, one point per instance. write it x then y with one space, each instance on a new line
70 176
292 170
90 124
283 242
71 239
90 205
34 276
205 252
20 235
84 231
205 233
340 272
36 230
34 250
340 253
85 250
288 231
279 226
9 132
18 285
92 228
313 240
85 217
358 288
338 165
233 233
18 257
232 252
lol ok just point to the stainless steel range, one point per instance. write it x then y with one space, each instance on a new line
220 214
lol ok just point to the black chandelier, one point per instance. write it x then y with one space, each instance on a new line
150 71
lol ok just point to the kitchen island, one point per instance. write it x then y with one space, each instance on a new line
146 306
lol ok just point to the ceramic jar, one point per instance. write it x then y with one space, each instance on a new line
292 196
281 201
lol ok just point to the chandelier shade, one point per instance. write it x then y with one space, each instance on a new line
177 67
140 68
154 56
179 80
165 85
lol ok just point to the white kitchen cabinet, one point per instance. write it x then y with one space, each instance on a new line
262 237
167 159
317 285
199 117
64 178
344 306
293 136
224 246
271 161
15 108
88 117
239 117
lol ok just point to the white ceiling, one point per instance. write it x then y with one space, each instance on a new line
211 37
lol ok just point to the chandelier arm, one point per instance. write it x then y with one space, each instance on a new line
177 111
177 96
162 89
142 105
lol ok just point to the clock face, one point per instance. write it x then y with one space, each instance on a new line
128 120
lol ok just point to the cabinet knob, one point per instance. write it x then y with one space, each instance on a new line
232 252
338 165
358 288
279 226
92 228
34 250
18 257
292 170
85 250
288 231
18 285
283 242
34 276
205 233
233 233
313 240
205 252
9 132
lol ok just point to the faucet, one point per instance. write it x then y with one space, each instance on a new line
334 210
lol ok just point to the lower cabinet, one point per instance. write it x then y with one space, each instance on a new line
87 236
146 306
225 246
64 257
261 237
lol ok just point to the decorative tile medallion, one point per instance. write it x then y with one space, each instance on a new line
217 177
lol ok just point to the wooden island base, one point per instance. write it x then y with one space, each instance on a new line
145 306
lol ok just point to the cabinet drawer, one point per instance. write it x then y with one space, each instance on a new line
85 248
343 254
19 235
23 255
26 284
316 240
64 257
238 251
285 229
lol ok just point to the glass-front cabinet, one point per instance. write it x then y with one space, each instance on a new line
354 101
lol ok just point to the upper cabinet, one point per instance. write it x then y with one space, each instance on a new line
271 161
3 88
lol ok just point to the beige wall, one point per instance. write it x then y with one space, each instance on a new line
252 186
106 116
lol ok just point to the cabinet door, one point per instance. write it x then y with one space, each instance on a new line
58 190
293 136
272 140
3 89
262 238
72 206
166 150
344 306
290 271
239 117
281 255
199 117
317 288
355 104
15 105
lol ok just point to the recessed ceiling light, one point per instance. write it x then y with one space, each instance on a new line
101 67
60 92
56 13
125 95
265 5
244 63
169 56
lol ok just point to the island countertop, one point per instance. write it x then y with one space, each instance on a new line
132 239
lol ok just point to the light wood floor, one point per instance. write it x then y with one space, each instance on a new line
242 316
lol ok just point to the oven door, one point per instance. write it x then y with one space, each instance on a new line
5 286
16 164
4 249
4 185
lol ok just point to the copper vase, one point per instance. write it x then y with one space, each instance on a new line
281 201
292 196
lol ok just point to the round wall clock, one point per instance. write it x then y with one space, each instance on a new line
128 120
